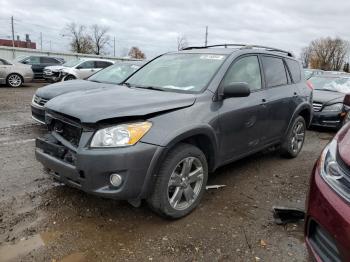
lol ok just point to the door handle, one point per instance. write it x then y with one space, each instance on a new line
263 102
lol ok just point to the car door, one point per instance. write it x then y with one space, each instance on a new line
3 70
34 61
243 120
280 96
85 69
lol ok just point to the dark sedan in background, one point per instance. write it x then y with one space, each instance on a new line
38 63
108 77
331 100
328 210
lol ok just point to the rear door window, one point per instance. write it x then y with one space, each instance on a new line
87 65
48 60
295 70
33 60
246 69
102 64
275 71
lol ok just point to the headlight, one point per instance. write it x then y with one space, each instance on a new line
121 135
332 173
329 166
333 108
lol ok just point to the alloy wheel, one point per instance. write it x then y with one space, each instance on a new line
14 80
298 136
185 183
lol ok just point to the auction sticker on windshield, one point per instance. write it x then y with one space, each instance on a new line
212 57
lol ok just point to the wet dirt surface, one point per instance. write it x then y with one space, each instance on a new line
41 220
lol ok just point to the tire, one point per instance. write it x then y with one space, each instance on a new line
294 141
14 80
174 195
69 77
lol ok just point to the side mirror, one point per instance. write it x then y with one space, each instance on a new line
237 89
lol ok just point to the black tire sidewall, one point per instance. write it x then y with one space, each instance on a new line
162 205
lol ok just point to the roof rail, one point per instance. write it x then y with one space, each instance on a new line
243 46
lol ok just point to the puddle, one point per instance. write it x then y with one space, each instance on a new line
13 252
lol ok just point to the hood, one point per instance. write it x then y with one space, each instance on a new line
328 97
50 91
96 105
55 68
344 144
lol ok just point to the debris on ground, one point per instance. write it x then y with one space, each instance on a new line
285 215
215 186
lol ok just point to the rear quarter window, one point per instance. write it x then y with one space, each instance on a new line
295 70
275 71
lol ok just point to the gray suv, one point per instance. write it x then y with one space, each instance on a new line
178 118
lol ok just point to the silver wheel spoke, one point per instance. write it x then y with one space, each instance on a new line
300 136
189 194
176 197
195 175
186 168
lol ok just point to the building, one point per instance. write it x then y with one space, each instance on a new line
18 43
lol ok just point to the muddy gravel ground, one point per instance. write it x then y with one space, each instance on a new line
41 220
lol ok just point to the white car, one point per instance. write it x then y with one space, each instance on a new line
15 74
75 69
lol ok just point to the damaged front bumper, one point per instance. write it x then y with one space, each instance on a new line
90 169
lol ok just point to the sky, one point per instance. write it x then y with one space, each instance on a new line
154 26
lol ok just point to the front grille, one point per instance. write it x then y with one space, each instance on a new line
323 243
70 132
317 106
39 100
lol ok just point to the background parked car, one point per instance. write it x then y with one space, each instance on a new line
107 77
328 209
14 74
312 72
331 100
76 69
38 63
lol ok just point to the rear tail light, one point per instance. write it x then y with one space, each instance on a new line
347 100
309 85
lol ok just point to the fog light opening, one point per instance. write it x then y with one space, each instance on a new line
116 180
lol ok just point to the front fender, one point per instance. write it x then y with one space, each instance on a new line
299 109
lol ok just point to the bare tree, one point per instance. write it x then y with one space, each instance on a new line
81 42
305 56
135 52
99 38
328 53
182 42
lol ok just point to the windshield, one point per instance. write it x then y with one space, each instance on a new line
335 84
114 74
308 73
179 72
20 58
72 63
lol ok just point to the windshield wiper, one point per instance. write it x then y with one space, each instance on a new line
126 84
150 88
323 89
94 81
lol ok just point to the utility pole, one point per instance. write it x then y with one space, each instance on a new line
13 38
206 36
114 46
41 41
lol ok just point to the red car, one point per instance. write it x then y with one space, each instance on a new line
327 227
